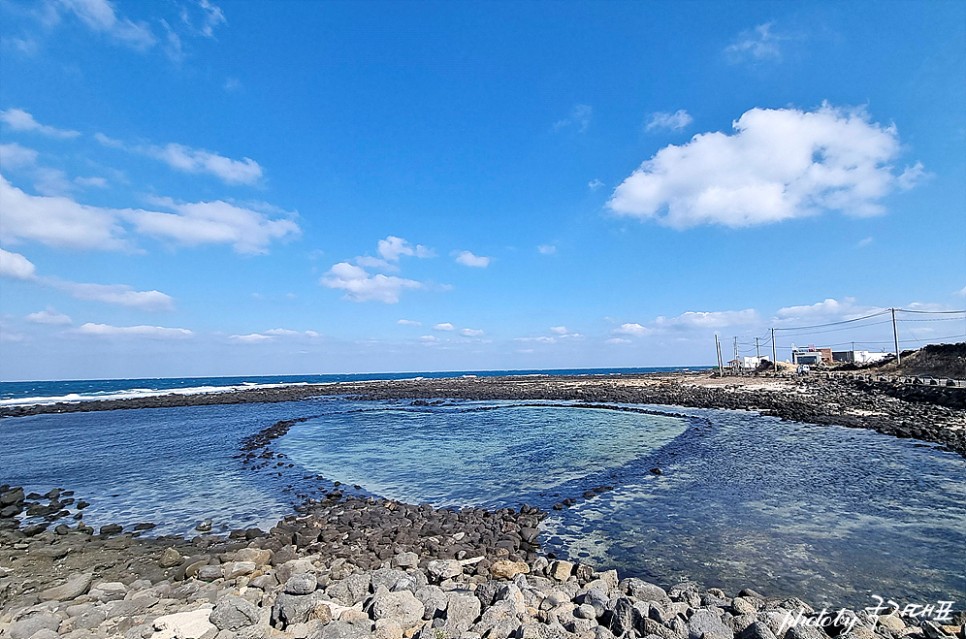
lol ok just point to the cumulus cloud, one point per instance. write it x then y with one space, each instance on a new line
617 340
471 332
467 258
670 121
392 248
444 326
579 118
16 267
20 120
594 184
217 222
49 317
406 322
154 332
634 329
756 45
57 221
779 164
361 286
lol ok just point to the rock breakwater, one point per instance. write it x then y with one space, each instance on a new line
346 568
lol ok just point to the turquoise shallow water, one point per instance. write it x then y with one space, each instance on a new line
829 514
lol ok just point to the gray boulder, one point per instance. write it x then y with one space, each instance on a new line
233 613
350 590
706 624
32 623
401 607
462 610
302 583
75 587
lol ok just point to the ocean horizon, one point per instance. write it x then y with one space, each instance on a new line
13 393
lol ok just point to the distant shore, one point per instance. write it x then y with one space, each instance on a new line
928 413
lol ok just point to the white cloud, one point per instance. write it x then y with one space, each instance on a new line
406 322
864 242
13 156
428 339
580 117
546 249
444 326
392 248
49 317
16 267
635 329
617 340
216 222
232 84
252 338
671 121
188 160
540 339
360 286
57 221
594 184
779 164
708 319
63 222
758 44
94 181
285 332
471 332
20 120
99 16
117 294
559 330
211 16
155 332
467 258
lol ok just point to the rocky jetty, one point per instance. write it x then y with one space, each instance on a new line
893 406
350 567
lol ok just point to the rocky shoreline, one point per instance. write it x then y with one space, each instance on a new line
929 413
348 567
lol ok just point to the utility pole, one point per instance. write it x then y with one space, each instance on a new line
757 350
736 355
895 336
774 351
717 348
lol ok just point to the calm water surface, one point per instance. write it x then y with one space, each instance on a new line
829 514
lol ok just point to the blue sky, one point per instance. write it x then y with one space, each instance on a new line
200 187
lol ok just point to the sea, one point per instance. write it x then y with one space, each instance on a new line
832 515
51 392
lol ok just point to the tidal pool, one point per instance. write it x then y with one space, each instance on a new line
830 514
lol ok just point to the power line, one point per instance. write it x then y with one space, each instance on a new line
848 321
